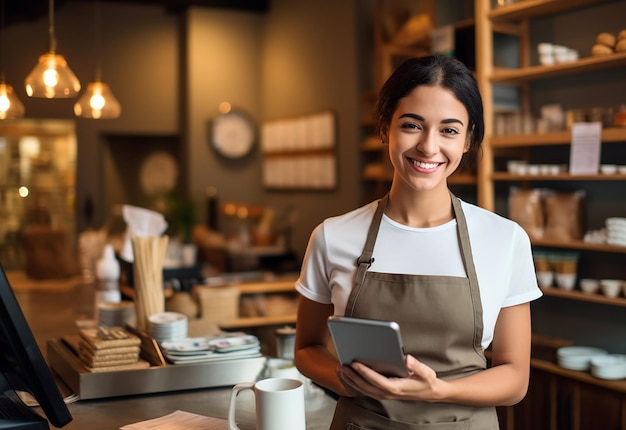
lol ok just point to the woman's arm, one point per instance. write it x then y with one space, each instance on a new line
504 383
312 357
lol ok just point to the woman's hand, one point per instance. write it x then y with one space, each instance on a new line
421 384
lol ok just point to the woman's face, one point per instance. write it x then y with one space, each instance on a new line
428 136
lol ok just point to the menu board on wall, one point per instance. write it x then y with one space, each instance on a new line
299 152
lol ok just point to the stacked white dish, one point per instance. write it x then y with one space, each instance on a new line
167 326
201 349
611 366
116 314
616 231
578 357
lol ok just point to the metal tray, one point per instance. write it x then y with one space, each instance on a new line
159 378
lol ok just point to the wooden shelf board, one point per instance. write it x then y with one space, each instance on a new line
462 179
377 177
579 295
504 176
588 64
582 376
580 245
279 286
612 134
240 323
533 8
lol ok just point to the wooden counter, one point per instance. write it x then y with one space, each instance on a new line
52 308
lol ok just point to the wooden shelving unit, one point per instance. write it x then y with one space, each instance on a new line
558 397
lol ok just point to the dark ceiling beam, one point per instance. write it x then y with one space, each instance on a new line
16 11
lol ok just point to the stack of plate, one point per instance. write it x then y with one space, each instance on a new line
167 326
202 349
116 314
577 357
616 231
610 366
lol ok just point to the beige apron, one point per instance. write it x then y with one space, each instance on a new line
440 318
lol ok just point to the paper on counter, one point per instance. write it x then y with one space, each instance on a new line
179 420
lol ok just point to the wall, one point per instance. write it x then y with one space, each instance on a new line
170 72
310 64
138 56
274 65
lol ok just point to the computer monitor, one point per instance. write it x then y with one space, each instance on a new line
23 368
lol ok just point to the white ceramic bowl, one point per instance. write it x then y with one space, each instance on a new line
608 169
577 357
547 60
545 48
616 222
610 366
545 279
566 281
589 286
611 287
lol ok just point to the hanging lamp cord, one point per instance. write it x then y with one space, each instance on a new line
53 40
98 42
2 76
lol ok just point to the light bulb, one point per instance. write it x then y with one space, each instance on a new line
52 78
5 103
97 102
10 106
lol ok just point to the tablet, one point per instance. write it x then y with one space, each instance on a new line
377 344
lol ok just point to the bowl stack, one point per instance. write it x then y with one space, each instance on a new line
616 231
578 357
167 326
610 366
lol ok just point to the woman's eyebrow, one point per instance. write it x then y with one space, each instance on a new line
421 118
451 120
412 115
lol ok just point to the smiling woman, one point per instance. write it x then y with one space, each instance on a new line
421 253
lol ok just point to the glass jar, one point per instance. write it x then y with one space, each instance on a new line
619 119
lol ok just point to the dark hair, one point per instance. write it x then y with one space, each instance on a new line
441 70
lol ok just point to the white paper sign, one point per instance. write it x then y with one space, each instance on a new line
585 150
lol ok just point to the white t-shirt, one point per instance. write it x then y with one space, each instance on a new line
500 247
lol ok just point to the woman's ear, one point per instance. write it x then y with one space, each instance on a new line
468 142
383 138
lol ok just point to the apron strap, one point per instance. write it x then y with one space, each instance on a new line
470 269
366 259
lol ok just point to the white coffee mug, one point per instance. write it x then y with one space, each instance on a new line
279 404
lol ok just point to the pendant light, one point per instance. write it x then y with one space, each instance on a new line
97 102
52 77
10 106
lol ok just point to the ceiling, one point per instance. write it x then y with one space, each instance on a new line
26 10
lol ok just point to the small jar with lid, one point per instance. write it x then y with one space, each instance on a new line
619 118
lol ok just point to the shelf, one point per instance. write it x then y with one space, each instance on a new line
547 366
504 176
588 64
370 177
580 245
460 179
247 322
278 286
579 295
613 134
534 8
